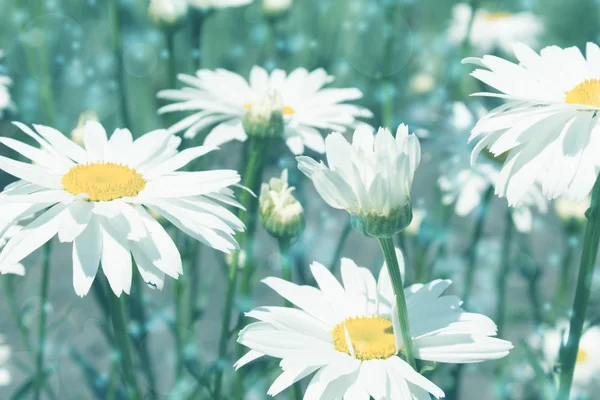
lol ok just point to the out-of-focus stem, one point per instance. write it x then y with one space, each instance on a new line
335 260
39 363
113 8
503 273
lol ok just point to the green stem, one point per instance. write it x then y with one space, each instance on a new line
197 19
582 293
335 260
389 252
564 282
252 176
503 273
117 312
113 10
171 69
477 233
39 361
287 274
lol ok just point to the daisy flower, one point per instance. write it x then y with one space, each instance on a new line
5 99
349 335
493 30
167 11
371 177
548 124
221 98
465 188
97 198
218 3
587 364
276 7
5 377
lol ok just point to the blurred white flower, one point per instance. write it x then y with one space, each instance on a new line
350 335
14 268
96 198
419 215
281 214
167 12
370 178
549 123
571 210
5 352
5 99
276 7
465 186
221 98
422 83
218 3
494 30
587 364
77 133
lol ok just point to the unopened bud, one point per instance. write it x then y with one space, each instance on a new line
77 133
264 119
167 12
281 214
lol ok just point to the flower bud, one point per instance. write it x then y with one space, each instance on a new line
415 226
280 213
570 210
167 12
276 8
264 119
77 133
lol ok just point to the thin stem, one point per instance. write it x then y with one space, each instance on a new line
335 260
113 9
477 233
171 69
582 293
39 363
117 312
503 273
252 176
564 282
389 252
287 274
197 19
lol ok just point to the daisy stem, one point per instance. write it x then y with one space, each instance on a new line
39 360
564 283
252 175
171 70
113 10
197 19
335 260
476 238
503 273
123 341
389 252
591 240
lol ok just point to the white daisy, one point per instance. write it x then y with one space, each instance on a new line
494 30
465 186
96 198
349 335
587 364
221 98
549 122
167 11
370 178
276 7
218 3
5 377
5 99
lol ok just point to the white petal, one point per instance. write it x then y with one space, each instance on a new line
87 248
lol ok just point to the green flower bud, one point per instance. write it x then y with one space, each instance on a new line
280 213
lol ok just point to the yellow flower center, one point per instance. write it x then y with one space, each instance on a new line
103 181
586 93
582 356
496 16
371 337
287 110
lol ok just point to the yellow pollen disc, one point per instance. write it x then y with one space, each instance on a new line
586 93
103 181
287 110
582 355
496 16
371 337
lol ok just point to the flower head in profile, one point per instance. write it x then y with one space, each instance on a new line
167 12
348 335
494 30
549 123
220 99
280 212
5 353
587 364
97 197
371 177
207 4
5 99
